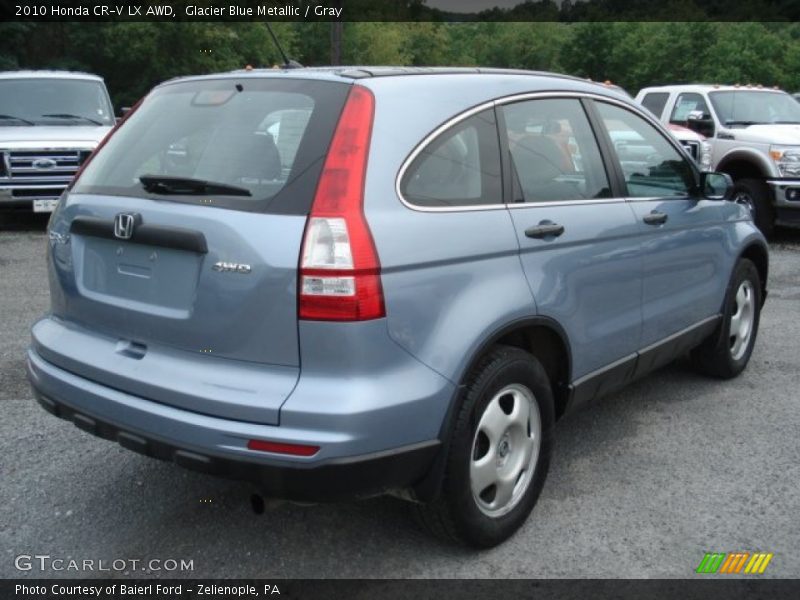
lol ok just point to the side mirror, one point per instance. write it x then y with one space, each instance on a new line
696 115
123 110
716 186
700 122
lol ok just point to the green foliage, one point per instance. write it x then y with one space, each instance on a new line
133 57
376 43
747 53
427 43
589 52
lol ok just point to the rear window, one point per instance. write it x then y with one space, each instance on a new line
259 144
655 102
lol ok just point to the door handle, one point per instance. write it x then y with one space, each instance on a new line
656 218
544 229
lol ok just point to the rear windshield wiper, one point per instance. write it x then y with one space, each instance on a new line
70 116
20 119
166 184
786 122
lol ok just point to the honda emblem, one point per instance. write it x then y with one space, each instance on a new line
124 224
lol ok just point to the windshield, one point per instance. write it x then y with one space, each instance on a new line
254 144
54 102
742 108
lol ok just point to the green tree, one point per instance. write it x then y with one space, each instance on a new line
376 44
588 50
134 56
659 53
746 53
427 43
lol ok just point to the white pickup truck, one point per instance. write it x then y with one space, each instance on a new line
754 133
50 121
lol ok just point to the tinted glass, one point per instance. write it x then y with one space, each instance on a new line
652 166
266 138
742 107
54 102
655 102
461 167
554 151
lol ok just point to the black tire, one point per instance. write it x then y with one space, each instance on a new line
455 515
755 194
718 355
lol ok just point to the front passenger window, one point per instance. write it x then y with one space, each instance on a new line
691 111
653 167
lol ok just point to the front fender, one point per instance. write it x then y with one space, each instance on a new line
764 165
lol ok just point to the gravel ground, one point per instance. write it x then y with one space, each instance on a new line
642 485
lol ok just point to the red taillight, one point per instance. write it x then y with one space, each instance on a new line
103 143
281 448
339 267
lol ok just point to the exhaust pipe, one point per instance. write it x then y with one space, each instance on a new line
260 504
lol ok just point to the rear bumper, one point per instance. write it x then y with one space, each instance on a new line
377 429
344 468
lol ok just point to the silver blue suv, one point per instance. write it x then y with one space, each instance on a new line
354 281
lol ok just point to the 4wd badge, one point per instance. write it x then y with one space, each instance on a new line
231 267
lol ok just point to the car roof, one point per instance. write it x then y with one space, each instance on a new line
374 74
363 71
710 87
46 74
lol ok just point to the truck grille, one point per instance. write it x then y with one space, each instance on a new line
40 173
693 148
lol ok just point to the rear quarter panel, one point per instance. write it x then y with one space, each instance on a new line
450 279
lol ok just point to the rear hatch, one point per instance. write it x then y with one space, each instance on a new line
178 245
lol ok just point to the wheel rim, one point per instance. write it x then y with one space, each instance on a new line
505 450
746 200
741 328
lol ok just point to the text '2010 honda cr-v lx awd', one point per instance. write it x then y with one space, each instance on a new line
344 282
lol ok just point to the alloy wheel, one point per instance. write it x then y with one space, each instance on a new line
505 450
741 327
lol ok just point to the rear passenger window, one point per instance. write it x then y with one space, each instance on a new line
652 166
553 152
461 167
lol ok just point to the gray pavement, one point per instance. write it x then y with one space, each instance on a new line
641 485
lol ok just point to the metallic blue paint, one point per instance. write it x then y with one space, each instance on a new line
157 342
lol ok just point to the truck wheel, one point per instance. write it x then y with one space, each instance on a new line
726 352
755 195
498 454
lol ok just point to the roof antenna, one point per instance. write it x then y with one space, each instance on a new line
287 63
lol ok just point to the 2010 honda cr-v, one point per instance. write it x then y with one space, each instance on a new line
345 282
